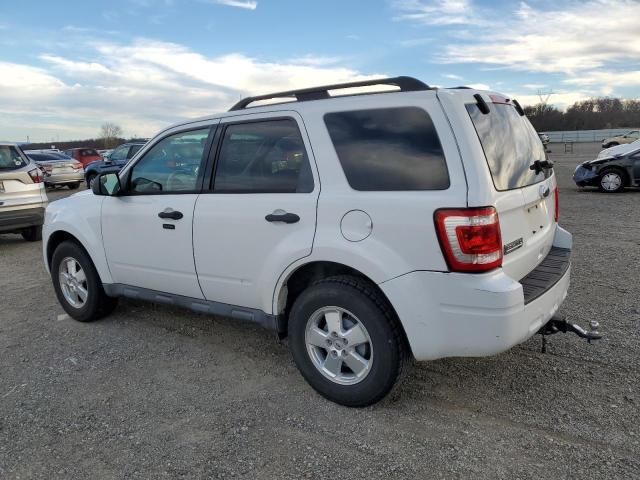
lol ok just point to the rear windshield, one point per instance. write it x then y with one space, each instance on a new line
510 144
10 158
47 157
388 149
88 153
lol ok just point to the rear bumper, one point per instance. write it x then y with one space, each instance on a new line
63 178
465 315
14 220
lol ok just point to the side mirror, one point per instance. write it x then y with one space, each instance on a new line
107 184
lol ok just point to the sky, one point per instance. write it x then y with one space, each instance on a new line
66 67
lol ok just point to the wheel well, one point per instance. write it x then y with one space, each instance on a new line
309 273
622 171
56 239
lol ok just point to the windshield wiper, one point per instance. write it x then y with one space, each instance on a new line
540 165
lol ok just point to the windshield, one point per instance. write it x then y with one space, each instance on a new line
10 158
510 144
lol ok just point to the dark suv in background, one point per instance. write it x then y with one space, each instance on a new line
114 162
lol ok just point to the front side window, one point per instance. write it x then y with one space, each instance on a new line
171 165
10 158
263 157
388 149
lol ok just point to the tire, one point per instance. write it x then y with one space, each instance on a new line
90 179
611 180
96 303
73 186
355 303
32 234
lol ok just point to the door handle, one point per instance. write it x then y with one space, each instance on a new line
172 214
282 217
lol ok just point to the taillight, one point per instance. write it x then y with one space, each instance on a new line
76 166
35 175
470 238
556 198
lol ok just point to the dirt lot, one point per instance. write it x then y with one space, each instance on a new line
153 392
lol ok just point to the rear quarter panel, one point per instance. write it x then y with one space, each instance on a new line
403 236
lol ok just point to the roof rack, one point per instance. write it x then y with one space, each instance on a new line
406 84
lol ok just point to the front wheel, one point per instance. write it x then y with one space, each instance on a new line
346 341
611 181
90 179
77 284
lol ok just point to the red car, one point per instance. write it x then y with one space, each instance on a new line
83 155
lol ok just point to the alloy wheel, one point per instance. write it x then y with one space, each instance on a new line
339 345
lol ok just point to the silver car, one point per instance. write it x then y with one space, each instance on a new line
58 168
23 198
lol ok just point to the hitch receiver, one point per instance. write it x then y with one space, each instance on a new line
560 325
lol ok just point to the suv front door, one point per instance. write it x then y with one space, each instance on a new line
259 214
147 232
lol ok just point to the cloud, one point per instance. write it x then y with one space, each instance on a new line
143 86
436 12
452 76
246 4
534 86
561 100
568 41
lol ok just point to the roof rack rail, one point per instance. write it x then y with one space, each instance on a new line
406 84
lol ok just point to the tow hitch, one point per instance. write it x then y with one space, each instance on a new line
560 325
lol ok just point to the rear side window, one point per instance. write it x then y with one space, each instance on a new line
263 157
389 149
10 158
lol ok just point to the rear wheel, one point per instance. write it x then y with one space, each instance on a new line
611 181
32 234
77 284
346 341
73 186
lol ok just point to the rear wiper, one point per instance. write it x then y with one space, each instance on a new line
540 165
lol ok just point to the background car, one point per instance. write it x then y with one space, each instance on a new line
114 162
544 138
58 168
628 137
84 155
610 173
22 194
619 149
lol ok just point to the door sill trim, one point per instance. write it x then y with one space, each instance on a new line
266 320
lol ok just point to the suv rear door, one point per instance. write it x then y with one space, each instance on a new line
259 214
498 148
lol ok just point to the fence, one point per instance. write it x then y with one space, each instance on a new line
579 136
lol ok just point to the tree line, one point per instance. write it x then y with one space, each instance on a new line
110 137
592 114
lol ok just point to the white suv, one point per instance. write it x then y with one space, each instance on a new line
370 229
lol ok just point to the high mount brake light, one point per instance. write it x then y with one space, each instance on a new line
470 238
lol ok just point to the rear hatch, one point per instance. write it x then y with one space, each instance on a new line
17 186
504 172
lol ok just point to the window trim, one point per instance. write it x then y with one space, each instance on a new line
204 160
214 161
393 107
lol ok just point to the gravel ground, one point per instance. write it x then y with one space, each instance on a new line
154 392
